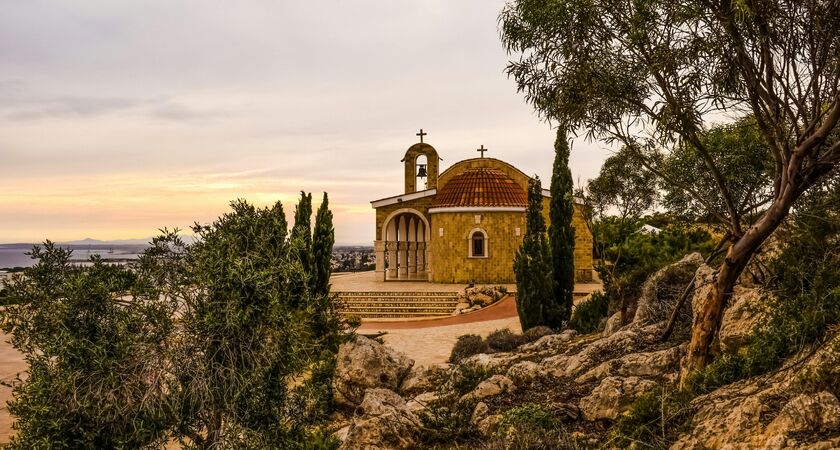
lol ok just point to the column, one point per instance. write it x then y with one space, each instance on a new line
412 246
402 247
391 248
379 254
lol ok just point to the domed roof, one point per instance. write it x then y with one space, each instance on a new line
481 186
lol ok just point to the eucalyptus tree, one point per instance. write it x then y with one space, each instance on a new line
650 75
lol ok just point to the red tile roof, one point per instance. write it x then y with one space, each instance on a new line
480 186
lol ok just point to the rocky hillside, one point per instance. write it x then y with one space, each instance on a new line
611 390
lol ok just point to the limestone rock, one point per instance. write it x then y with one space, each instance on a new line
362 364
417 380
491 387
613 346
740 318
422 401
385 423
480 412
613 324
647 365
807 412
495 362
525 371
612 397
661 290
489 424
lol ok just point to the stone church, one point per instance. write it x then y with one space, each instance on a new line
460 226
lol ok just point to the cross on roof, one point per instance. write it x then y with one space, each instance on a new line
482 150
421 134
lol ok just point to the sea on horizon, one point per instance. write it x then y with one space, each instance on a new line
15 255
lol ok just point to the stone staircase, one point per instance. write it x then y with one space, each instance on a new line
381 305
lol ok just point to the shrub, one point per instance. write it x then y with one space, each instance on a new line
656 418
587 316
467 345
533 334
531 438
504 340
446 420
527 415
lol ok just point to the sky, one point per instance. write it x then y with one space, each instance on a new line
121 118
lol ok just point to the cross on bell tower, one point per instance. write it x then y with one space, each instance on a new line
421 134
482 150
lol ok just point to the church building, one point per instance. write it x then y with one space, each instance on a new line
460 226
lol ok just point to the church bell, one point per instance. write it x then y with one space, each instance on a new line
421 171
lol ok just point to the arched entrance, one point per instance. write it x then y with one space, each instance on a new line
405 254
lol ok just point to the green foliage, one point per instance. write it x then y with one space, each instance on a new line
742 157
805 287
532 334
561 234
624 186
111 367
587 316
532 267
446 420
467 345
527 415
94 346
323 239
655 420
634 257
504 340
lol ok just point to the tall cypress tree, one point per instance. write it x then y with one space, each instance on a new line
323 239
532 267
302 231
561 234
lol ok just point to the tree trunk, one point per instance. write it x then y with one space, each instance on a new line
706 325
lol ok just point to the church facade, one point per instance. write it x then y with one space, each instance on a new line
465 224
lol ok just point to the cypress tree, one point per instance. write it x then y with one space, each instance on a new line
561 234
323 239
532 267
303 219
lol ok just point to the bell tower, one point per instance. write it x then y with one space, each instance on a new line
428 171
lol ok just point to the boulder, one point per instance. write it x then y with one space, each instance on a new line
491 387
525 371
480 412
422 401
646 365
418 380
384 422
363 364
592 354
807 412
612 397
488 425
613 324
661 291
740 318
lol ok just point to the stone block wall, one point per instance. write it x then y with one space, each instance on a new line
451 261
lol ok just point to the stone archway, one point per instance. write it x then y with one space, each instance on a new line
403 251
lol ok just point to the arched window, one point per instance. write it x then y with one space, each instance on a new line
478 244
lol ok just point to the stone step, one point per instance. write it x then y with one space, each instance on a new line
398 304
398 294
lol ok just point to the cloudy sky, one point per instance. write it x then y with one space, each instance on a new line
119 118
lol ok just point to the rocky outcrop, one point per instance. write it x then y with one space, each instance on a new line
655 365
363 364
765 413
491 387
740 318
417 380
661 291
383 422
612 397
